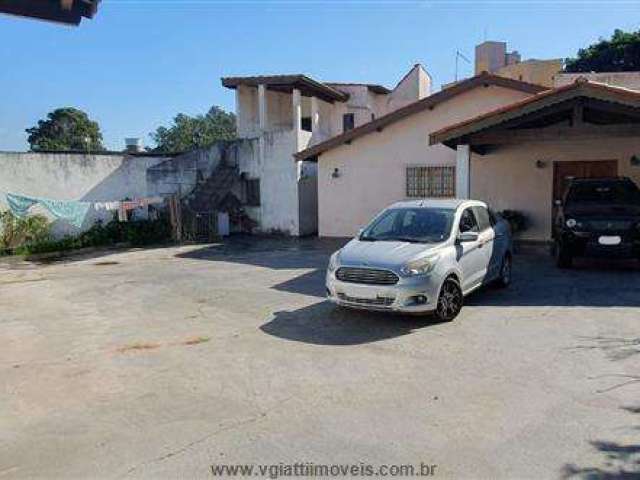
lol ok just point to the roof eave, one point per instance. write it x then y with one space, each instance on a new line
294 81
380 123
454 134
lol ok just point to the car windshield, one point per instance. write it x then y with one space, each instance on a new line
604 193
420 225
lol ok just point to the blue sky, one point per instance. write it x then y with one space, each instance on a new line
139 62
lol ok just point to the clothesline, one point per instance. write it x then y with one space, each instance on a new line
74 211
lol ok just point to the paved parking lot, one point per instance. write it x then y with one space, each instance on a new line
159 363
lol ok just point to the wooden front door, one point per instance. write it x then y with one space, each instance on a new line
564 172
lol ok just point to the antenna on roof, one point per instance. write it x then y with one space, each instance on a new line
460 56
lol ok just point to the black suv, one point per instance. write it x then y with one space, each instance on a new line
598 217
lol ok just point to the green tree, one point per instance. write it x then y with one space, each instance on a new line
66 129
619 54
189 133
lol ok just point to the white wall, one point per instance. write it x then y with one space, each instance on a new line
89 178
277 171
373 167
416 84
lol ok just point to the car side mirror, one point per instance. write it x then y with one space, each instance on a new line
468 237
557 203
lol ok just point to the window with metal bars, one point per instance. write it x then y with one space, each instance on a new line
425 182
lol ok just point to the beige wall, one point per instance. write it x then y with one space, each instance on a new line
509 178
619 79
541 72
372 168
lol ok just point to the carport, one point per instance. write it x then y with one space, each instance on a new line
520 157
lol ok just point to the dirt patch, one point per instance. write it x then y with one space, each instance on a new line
25 280
138 347
196 340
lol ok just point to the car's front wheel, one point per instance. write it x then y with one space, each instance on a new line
450 301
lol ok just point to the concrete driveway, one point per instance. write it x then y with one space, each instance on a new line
161 363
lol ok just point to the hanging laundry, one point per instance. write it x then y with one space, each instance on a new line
109 206
72 211
151 201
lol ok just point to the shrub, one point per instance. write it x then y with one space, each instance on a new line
16 231
137 233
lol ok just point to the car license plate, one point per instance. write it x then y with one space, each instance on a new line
609 240
356 291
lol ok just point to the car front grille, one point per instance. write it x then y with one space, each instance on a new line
609 225
380 301
369 276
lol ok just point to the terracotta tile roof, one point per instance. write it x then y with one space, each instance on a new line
580 87
429 102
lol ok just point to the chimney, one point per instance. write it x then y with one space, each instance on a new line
513 57
133 145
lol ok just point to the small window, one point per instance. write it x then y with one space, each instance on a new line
305 124
348 121
482 215
468 222
425 182
253 192
373 117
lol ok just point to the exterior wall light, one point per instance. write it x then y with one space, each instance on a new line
541 164
635 161
336 173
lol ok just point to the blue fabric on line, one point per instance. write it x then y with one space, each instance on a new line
72 211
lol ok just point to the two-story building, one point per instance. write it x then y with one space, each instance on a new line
280 115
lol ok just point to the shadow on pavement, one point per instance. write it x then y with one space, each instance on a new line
537 282
621 460
536 279
324 324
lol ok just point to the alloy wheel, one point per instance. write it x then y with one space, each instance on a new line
449 301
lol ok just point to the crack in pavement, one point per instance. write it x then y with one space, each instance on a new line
189 445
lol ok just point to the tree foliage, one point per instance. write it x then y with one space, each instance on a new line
189 133
66 129
619 54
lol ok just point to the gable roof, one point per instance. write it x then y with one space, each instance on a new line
483 79
285 83
579 88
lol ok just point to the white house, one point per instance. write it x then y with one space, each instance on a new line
510 143
280 115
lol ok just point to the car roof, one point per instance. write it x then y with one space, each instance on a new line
452 203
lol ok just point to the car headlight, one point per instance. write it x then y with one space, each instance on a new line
421 266
571 222
333 261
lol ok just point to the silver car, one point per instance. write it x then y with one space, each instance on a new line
422 257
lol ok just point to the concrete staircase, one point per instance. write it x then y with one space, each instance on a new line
208 194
